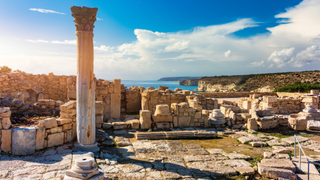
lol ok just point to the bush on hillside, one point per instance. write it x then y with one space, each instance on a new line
298 87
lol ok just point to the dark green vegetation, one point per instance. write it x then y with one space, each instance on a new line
298 87
273 81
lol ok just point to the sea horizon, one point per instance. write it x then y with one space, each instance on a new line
172 85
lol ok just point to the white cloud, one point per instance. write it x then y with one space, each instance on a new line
37 41
99 19
74 42
293 43
104 48
280 58
45 11
256 64
228 53
308 56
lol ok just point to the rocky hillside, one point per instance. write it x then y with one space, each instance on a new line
189 82
256 82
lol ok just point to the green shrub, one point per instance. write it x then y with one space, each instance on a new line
298 87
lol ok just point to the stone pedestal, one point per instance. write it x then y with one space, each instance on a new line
84 18
84 168
217 118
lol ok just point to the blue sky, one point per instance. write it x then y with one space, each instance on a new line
139 39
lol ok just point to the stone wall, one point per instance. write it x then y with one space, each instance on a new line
106 91
185 116
235 94
133 99
151 98
34 86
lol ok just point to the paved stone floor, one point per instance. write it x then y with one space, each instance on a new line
149 159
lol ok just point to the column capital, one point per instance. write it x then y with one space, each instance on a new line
84 17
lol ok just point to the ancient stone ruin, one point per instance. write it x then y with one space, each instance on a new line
74 122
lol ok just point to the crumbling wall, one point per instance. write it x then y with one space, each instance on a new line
133 99
151 98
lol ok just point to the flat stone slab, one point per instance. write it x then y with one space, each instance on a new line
236 156
23 141
161 146
122 141
247 139
237 163
170 175
276 173
305 177
154 175
280 150
143 146
130 168
304 168
197 165
278 163
290 140
275 142
220 170
245 171
191 158
176 145
258 144
214 151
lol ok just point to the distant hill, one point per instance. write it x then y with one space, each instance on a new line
177 78
257 82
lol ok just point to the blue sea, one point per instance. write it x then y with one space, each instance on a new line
154 83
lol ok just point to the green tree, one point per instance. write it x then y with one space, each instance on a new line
5 69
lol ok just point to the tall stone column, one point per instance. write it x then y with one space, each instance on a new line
84 18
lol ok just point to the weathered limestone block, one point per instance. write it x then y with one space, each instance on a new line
276 173
184 121
48 123
313 125
117 86
115 106
135 123
40 136
145 119
6 123
99 119
252 124
69 105
55 139
164 125
99 108
120 125
68 136
6 140
298 122
150 135
23 140
162 118
56 130
62 121
106 126
162 109
68 113
66 127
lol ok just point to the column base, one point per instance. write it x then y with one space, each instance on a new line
86 147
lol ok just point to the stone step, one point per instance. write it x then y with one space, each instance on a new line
175 135
304 168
